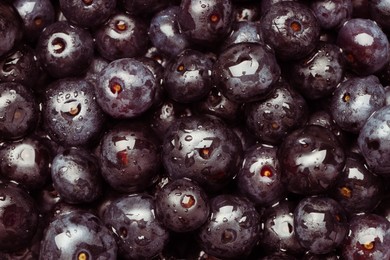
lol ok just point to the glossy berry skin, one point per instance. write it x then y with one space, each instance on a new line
138 232
373 142
76 176
71 115
278 229
202 148
332 13
11 31
378 10
260 176
122 36
64 50
357 189
273 118
369 238
244 31
20 66
365 46
19 111
77 235
206 22
291 29
232 229
126 88
317 75
355 100
320 224
18 217
311 158
129 157
324 118
246 72
167 113
182 205
165 34
36 15
188 76
87 13
218 105
26 161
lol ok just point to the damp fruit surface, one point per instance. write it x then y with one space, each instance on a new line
194 129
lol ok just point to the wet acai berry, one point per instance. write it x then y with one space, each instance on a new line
232 229
373 141
71 115
354 100
260 177
138 232
126 88
64 50
311 158
291 29
76 176
129 157
364 44
77 235
18 111
246 72
320 224
368 238
182 205
202 148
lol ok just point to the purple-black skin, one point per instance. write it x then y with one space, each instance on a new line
317 75
19 111
36 15
291 29
357 189
188 76
232 229
244 31
311 158
320 224
21 66
76 176
246 72
64 50
122 36
278 229
374 143
87 14
165 34
204 149
26 161
272 119
206 23
130 157
354 100
126 88
260 177
369 238
365 46
71 115
138 232
182 205
18 217
11 31
379 12
332 13
77 234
